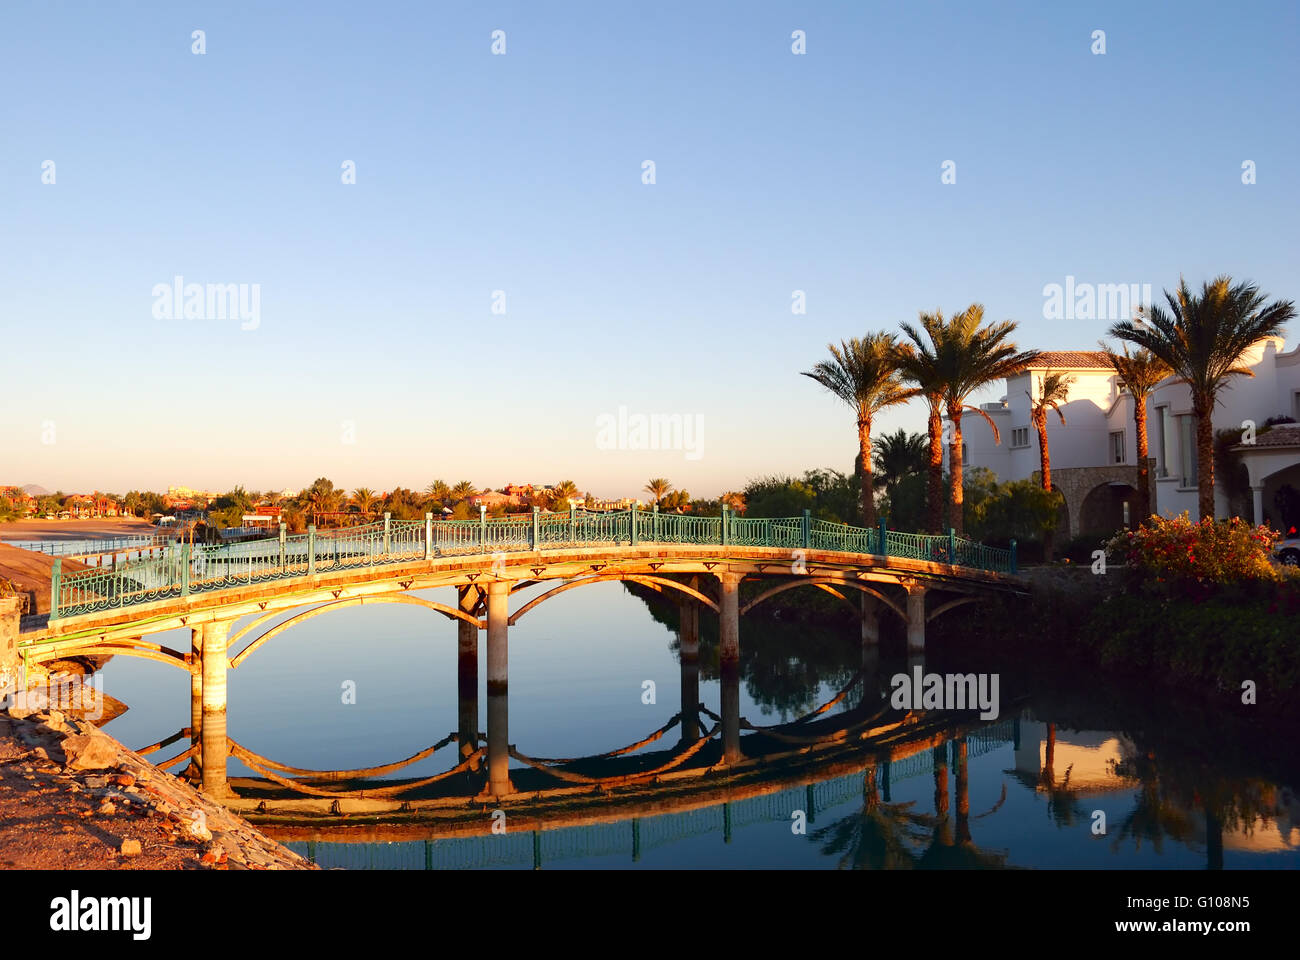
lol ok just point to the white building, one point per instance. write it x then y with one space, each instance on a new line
1094 455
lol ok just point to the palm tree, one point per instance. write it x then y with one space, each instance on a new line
1054 391
565 490
919 365
321 497
1139 373
1202 339
966 355
658 488
898 455
865 375
438 491
363 498
463 491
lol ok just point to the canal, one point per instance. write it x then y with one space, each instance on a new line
1065 777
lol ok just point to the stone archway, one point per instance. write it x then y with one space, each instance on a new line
1077 483
1103 509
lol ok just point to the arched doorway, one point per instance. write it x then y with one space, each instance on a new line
1107 508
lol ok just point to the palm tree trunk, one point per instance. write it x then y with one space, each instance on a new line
1045 476
864 463
956 495
934 481
1204 454
1044 454
1144 470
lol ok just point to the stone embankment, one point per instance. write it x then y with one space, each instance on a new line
72 797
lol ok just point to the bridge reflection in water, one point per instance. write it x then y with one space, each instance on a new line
392 848
722 773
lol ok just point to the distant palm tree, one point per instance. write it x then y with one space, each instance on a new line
565 490
438 491
658 488
321 497
363 498
463 491
1203 338
1139 373
864 374
1054 391
898 455
919 366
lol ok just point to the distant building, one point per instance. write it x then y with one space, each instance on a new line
598 506
202 497
494 500
22 502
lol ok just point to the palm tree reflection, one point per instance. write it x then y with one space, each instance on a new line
895 836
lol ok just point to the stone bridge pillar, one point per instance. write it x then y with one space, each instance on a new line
213 719
194 772
467 598
688 643
498 680
729 616
870 621
915 617
729 657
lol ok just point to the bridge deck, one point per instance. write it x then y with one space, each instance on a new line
261 597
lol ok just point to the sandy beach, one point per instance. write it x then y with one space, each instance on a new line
75 529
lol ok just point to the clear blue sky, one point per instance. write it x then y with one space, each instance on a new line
522 173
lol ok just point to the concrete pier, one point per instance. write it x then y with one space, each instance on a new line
467 598
915 617
688 642
729 616
213 719
195 769
498 682
870 621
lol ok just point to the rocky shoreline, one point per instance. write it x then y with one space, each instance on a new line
73 797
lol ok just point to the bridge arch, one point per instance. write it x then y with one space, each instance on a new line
646 579
824 582
123 648
444 609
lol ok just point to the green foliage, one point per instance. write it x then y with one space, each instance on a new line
404 504
232 515
829 494
904 504
237 500
1223 639
997 512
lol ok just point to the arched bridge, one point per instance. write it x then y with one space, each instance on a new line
115 607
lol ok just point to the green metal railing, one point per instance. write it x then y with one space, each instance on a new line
186 568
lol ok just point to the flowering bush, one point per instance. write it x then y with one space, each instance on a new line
1209 551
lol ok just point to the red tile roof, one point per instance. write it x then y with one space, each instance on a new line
1280 436
1071 360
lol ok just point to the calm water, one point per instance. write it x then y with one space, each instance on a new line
1027 793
